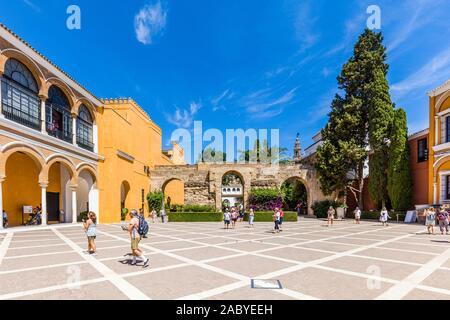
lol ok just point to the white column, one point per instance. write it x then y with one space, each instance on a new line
44 203
436 130
74 204
43 115
435 193
1 203
74 129
95 137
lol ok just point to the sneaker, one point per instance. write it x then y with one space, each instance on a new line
146 263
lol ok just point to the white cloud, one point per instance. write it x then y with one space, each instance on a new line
322 107
32 5
304 24
150 22
184 118
217 101
260 105
428 76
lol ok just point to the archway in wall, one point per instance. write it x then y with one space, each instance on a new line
87 193
173 191
232 190
295 195
21 187
59 194
124 192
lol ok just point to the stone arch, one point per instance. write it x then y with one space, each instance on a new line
32 152
29 63
125 189
53 81
66 162
285 179
87 189
242 198
439 163
88 167
441 101
174 194
89 106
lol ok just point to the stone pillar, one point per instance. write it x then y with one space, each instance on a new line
43 186
43 114
74 129
1 202
73 189
435 192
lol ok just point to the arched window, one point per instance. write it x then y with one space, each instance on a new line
85 129
20 101
59 121
18 72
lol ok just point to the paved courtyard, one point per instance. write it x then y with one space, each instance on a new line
203 261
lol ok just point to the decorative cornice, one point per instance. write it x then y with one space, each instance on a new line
439 90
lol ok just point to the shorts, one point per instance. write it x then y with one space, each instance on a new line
430 223
234 219
226 221
135 243
92 237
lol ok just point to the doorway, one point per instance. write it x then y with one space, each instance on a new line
53 206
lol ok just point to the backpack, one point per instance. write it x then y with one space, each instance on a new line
441 216
143 226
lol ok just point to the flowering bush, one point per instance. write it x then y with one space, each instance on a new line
265 199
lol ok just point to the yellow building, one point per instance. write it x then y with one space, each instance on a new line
65 150
439 164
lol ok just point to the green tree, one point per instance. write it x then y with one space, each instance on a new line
155 200
341 159
262 153
381 113
210 155
399 175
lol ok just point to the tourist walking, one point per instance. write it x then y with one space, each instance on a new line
162 213
234 217
241 213
133 229
430 220
281 219
251 217
90 227
226 219
5 219
384 217
443 220
357 213
299 208
276 220
153 215
330 214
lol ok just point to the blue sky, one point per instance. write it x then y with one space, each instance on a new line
237 63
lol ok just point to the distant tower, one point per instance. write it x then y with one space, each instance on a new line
297 149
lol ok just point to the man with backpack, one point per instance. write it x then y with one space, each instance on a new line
133 229
443 220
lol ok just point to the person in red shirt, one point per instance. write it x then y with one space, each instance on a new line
281 218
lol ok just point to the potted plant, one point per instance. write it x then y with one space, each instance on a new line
124 213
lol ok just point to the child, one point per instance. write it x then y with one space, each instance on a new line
331 212
384 216
226 219
430 220
90 226
357 215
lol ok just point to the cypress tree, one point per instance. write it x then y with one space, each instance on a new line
380 120
399 175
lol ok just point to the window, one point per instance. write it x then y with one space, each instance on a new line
59 121
20 101
85 129
447 188
422 150
447 129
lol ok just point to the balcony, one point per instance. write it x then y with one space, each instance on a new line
59 122
20 105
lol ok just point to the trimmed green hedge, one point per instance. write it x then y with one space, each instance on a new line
195 216
266 216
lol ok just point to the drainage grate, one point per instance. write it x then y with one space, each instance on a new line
266 284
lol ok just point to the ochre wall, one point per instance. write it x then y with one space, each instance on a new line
126 127
20 187
175 190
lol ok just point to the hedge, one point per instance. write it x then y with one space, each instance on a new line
266 216
320 208
195 216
